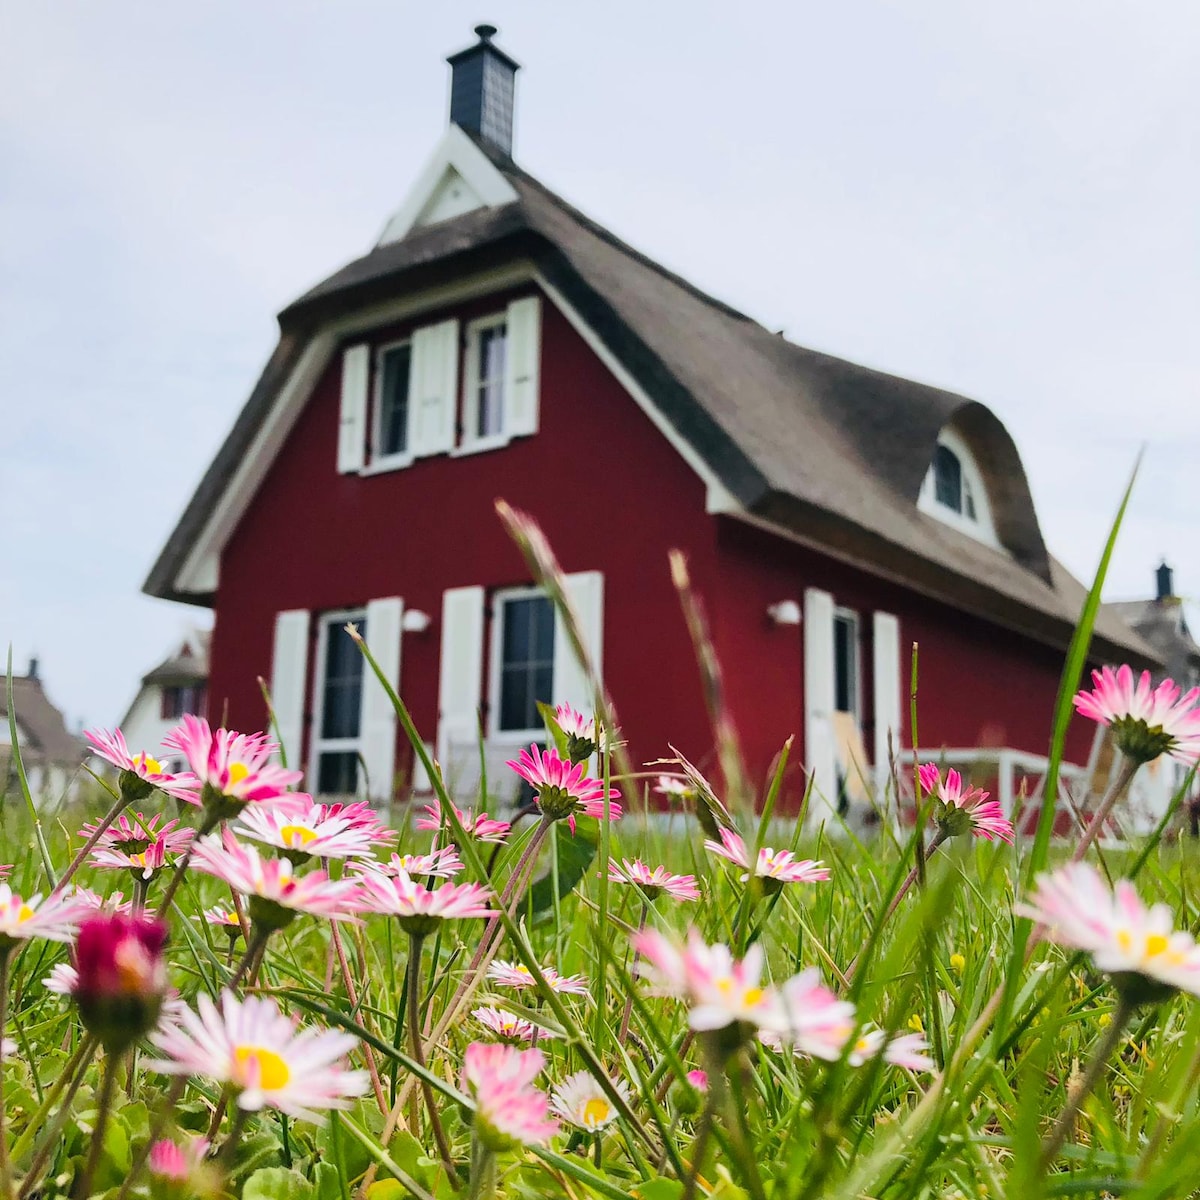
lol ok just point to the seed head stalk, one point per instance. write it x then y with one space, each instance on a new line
416 944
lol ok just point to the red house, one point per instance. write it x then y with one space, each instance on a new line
498 343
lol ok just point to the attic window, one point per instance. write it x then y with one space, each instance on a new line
954 490
949 487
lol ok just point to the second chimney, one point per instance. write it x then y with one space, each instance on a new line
482 83
1164 579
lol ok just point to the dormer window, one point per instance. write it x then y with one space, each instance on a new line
949 487
954 490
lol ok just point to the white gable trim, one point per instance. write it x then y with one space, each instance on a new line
430 198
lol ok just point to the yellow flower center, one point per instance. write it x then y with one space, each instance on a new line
150 765
595 1112
138 860
24 912
261 1067
1154 945
237 772
295 836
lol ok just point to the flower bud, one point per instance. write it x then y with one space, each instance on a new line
122 977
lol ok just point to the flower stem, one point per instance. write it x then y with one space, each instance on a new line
702 1135
416 942
229 1150
938 838
122 802
212 818
624 1033
352 996
257 946
1108 1043
108 1082
72 1077
1119 787
5 1165
736 1070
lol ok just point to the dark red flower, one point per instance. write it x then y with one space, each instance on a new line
122 977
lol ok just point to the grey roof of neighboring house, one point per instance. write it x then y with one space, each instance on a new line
1162 624
832 452
183 666
47 739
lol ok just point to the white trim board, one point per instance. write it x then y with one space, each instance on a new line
455 159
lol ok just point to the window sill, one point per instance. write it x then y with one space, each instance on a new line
955 520
481 445
393 462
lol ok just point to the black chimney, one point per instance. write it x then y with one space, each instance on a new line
33 668
1164 578
482 81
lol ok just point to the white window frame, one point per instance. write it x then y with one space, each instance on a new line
321 745
851 616
495 661
472 443
389 462
980 526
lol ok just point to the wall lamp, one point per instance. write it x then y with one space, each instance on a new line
414 621
786 612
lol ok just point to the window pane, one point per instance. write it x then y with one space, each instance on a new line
393 407
526 661
493 351
341 698
845 664
337 773
947 475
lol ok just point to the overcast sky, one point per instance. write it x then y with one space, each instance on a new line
997 199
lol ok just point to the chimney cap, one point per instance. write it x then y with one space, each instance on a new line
485 33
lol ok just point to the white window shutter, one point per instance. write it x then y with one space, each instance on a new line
585 590
352 426
289 676
819 751
460 678
384 618
886 686
433 402
521 366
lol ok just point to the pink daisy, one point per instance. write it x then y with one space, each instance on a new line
234 769
113 902
312 833
276 893
144 863
57 918
359 816
653 882
1138 946
224 918
168 1160
774 867
508 1111
814 1021
904 1050
419 908
509 1027
1146 721
262 1055
480 826
581 1101
674 787
136 832
719 990
964 810
437 864
518 976
141 772
563 788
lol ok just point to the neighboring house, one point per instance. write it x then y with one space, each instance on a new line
495 343
1162 623
178 685
50 753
